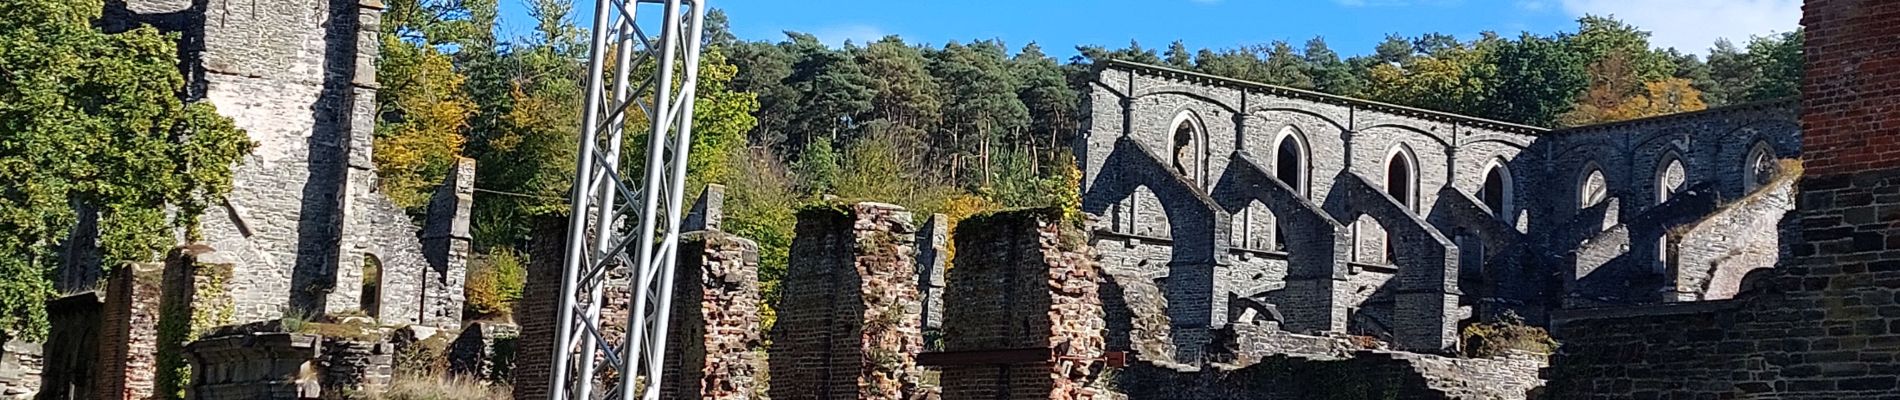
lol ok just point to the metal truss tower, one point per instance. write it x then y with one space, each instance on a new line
623 231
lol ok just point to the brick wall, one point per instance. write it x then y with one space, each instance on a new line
129 354
1023 280
539 306
714 327
1819 326
847 327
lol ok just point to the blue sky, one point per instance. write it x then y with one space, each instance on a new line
1349 26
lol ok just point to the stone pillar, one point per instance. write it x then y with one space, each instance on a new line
933 252
538 309
1023 281
196 298
445 244
846 328
351 53
714 325
128 354
714 322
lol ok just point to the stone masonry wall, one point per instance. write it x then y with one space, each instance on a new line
446 242
305 213
21 363
1713 255
1023 281
715 319
264 366
1820 325
933 252
852 331
287 366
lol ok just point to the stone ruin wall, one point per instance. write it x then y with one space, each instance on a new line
304 214
1222 200
1024 280
715 316
286 366
849 324
1818 325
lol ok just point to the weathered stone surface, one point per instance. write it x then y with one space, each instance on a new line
485 350
714 337
1024 280
933 252
1819 325
21 363
305 213
851 330
286 366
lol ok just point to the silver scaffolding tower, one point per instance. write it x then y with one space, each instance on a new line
621 227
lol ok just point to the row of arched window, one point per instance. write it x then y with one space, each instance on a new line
1672 177
1291 164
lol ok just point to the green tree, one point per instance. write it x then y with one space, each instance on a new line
94 119
1177 55
1052 103
425 110
834 92
1732 72
981 106
899 75
1455 79
1538 78
1778 59
1599 37
1329 73
528 148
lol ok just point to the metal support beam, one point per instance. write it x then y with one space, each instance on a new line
621 243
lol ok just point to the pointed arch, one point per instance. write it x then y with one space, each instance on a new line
1671 176
1759 167
1499 192
1292 160
1401 176
1592 186
1187 147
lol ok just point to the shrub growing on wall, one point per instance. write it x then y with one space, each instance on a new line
95 119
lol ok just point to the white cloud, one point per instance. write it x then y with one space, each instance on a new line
859 34
1693 25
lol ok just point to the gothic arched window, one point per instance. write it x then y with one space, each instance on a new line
1498 192
1670 178
1289 161
1761 167
1185 147
1401 177
1594 188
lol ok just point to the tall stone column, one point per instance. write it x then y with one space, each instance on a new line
1024 283
933 253
538 309
714 323
446 242
128 354
847 325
